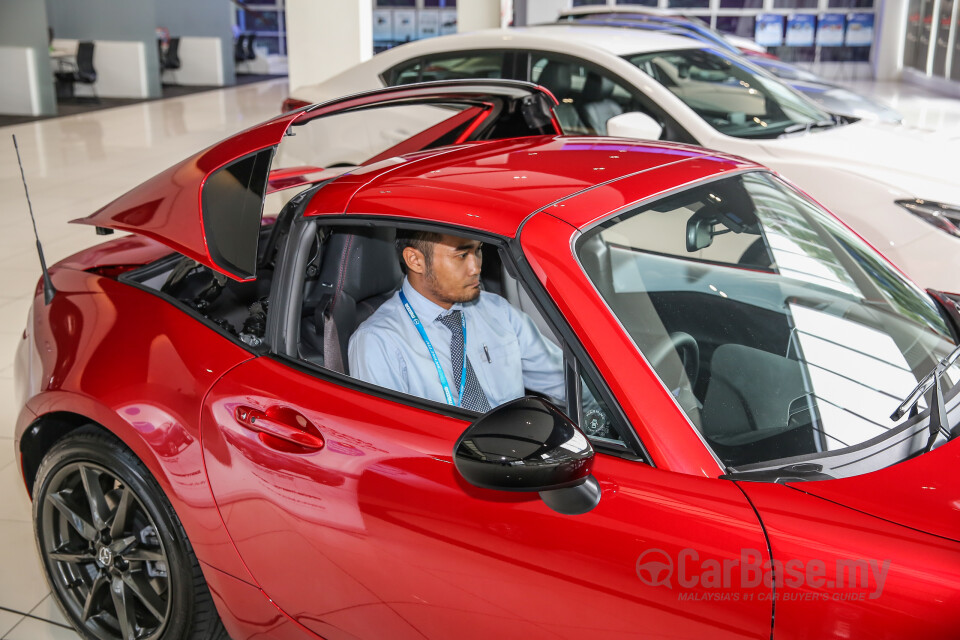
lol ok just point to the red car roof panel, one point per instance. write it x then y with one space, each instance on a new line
495 186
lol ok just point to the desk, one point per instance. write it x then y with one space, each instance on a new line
121 66
60 54
63 58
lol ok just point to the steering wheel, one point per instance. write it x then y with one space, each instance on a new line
686 347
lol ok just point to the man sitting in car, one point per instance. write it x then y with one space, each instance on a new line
444 339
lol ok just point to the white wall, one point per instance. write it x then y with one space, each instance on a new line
201 63
325 37
473 15
19 93
540 11
23 23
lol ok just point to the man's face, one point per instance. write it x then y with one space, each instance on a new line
452 273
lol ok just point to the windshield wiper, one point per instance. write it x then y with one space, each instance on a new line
938 410
808 127
802 472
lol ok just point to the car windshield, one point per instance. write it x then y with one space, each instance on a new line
733 98
780 333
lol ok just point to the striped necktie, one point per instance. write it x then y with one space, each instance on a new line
473 396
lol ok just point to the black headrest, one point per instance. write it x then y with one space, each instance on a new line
597 88
556 77
361 263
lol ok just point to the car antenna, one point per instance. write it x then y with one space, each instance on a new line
48 289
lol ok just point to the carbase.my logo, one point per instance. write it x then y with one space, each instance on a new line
843 577
655 567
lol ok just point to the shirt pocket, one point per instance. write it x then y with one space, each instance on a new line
500 367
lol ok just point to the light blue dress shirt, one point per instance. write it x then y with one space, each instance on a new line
507 351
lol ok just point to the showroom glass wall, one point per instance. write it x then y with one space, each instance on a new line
399 21
266 21
932 44
739 17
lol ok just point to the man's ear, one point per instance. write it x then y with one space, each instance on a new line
414 260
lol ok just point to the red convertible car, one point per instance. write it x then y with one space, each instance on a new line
754 439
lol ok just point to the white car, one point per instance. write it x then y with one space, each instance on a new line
897 186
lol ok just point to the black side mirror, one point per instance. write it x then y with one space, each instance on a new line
530 445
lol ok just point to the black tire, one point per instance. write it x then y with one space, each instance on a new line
115 554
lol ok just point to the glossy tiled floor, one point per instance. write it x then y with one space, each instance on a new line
76 164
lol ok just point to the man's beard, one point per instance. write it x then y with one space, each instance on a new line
467 295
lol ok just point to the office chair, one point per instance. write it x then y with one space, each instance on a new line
240 48
248 51
170 61
82 72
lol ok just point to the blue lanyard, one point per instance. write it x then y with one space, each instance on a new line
433 353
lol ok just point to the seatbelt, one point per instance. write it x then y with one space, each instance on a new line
332 354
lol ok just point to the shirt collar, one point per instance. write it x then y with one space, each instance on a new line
424 307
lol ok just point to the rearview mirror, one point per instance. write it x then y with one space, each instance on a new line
634 124
699 233
530 445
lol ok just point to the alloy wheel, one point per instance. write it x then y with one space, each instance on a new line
104 554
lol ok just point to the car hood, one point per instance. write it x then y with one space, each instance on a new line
912 162
922 493
844 102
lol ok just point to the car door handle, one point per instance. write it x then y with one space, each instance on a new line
285 424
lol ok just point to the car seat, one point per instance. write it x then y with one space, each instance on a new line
359 271
558 78
596 105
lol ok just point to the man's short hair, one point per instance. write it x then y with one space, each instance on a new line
422 241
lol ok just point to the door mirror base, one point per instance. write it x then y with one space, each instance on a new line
634 124
573 501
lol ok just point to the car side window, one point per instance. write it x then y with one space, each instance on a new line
449 66
351 323
585 405
588 96
354 322
407 73
595 417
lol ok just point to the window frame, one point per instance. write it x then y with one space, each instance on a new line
388 77
283 326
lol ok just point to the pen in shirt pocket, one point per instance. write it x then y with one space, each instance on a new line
486 352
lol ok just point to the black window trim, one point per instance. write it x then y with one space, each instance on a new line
283 326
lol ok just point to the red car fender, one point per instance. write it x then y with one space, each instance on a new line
174 459
170 358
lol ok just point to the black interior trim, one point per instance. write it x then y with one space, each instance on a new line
165 264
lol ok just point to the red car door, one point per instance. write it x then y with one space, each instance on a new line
364 529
